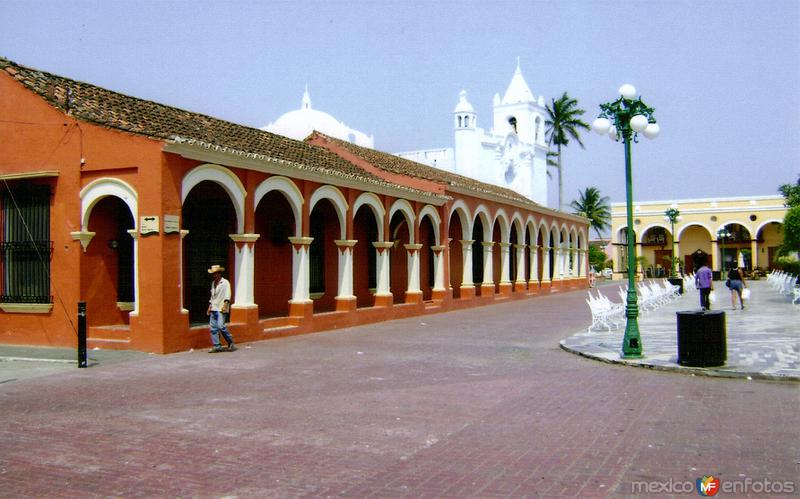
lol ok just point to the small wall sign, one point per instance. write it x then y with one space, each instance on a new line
172 224
148 225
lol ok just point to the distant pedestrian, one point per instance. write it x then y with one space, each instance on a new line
703 281
736 284
218 307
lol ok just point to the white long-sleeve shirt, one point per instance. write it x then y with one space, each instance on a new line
220 293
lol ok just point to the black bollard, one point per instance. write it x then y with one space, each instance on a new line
82 334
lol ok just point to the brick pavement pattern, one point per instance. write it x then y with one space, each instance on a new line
475 403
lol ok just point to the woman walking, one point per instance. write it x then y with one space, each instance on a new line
736 284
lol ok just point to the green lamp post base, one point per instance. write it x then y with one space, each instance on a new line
632 342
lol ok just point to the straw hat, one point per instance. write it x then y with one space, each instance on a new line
216 268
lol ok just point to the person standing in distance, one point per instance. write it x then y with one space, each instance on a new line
737 284
218 306
703 280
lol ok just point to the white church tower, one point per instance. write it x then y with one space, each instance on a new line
467 150
513 154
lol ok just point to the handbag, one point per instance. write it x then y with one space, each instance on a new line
728 283
746 294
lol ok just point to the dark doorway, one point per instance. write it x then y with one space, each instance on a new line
209 217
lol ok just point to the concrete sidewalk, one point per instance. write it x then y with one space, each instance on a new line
763 340
23 362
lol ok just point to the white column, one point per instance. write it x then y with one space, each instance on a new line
466 268
183 233
345 250
243 297
638 249
413 267
534 273
558 268
488 263
382 273
680 260
520 255
716 256
572 261
300 269
505 248
546 277
438 268
135 235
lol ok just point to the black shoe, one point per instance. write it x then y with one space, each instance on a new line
216 349
232 348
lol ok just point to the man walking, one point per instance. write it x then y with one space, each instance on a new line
703 281
218 306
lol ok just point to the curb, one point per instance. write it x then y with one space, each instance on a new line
694 371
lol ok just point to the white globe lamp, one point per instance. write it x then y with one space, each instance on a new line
627 91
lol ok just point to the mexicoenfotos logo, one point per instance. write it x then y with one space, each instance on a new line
707 486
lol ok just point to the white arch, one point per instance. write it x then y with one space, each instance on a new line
405 208
563 234
725 224
518 225
695 224
226 179
430 211
764 224
464 214
482 212
339 202
505 233
375 204
655 224
583 236
555 234
544 230
573 236
107 186
292 193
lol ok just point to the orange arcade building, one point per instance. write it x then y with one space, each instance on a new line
124 204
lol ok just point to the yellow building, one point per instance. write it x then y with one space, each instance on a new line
743 231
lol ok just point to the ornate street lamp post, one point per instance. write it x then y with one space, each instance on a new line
672 215
723 234
623 120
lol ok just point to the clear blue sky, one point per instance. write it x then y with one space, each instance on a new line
723 75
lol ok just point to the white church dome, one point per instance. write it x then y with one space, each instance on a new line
300 123
463 105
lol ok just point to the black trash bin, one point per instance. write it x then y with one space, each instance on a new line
702 338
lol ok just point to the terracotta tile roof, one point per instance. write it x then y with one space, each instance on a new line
111 109
396 164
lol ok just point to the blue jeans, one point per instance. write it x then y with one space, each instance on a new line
216 320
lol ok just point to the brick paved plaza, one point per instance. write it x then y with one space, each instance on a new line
476 403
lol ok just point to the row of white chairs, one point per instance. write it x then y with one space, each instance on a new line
688 282
609 314
785 284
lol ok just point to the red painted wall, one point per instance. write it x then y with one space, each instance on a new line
274 222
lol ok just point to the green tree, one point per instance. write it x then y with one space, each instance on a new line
563 124
597 257
592 205
791 222
791 192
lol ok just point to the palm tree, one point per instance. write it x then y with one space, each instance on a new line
563 123
592 205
